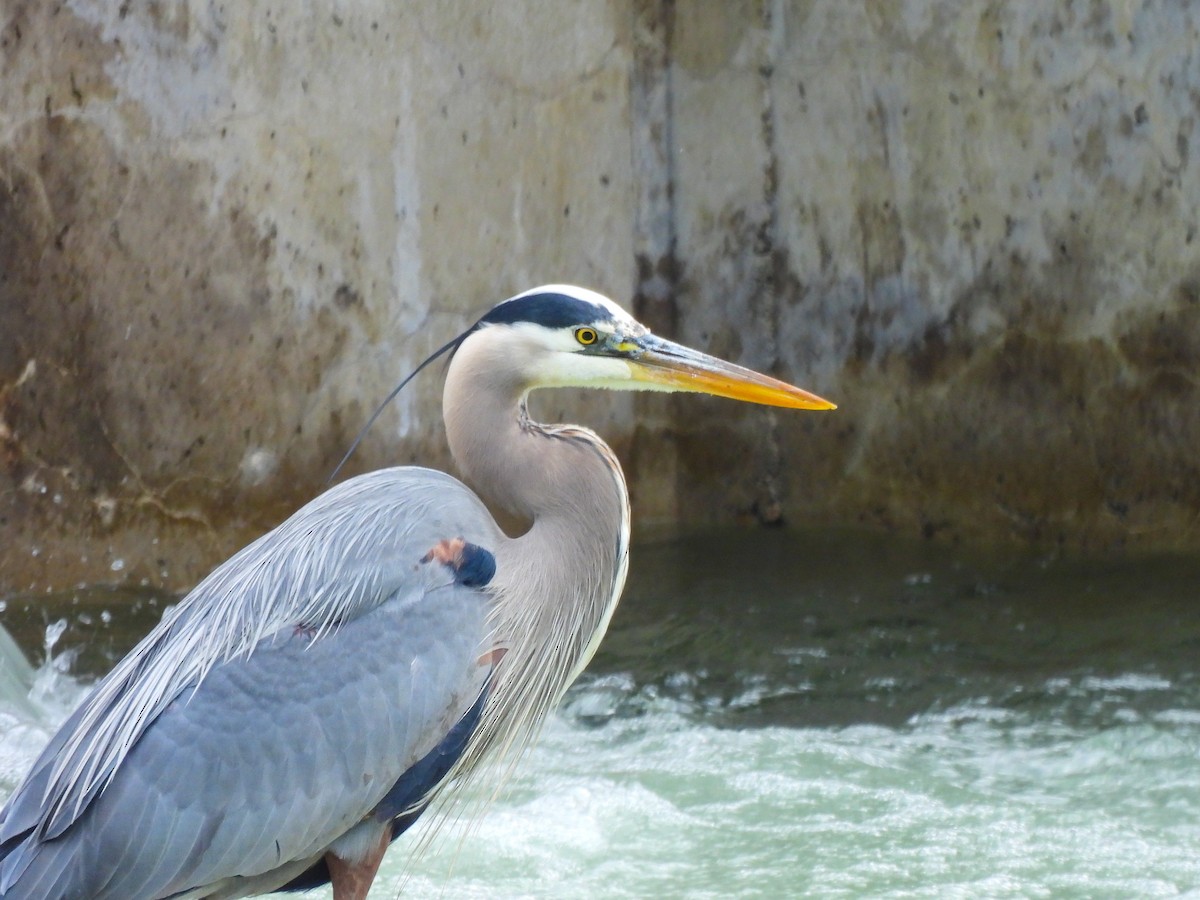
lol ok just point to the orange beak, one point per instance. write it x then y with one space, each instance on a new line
673 367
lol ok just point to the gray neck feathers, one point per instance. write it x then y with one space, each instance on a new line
556 585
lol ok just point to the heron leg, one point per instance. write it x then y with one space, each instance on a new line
352 881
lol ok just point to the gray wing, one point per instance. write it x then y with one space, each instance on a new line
259 723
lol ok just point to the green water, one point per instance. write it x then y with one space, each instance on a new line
779 714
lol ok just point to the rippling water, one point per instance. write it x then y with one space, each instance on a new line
778 714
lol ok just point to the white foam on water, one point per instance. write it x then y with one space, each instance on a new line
963 804
968 802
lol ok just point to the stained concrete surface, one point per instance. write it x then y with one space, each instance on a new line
227 230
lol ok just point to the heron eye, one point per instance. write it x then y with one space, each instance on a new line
585 336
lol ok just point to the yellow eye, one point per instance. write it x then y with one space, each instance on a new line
585 336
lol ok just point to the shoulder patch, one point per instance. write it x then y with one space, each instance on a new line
472 565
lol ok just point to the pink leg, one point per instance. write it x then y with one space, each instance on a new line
352 881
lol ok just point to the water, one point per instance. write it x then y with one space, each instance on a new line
780 714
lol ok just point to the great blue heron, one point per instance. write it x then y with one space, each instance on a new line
308 699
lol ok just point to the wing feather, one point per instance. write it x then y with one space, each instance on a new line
240 653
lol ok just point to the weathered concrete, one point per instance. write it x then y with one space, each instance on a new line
226 231
974 225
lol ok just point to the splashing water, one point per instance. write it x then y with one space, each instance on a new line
789 714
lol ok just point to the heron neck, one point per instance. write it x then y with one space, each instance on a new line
563 481
557 584
568 567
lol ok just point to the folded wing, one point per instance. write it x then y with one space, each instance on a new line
281 705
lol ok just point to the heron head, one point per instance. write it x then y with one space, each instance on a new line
560 335
565 336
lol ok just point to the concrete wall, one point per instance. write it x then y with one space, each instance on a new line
975 225
227 230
